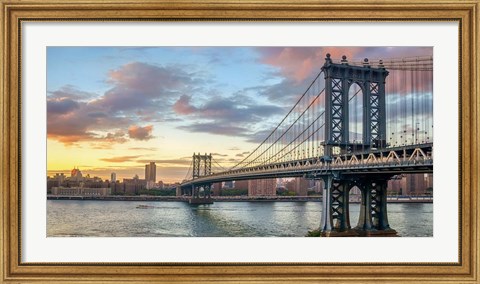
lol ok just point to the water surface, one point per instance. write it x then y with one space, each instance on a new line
221 219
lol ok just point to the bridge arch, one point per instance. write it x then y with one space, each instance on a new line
355 117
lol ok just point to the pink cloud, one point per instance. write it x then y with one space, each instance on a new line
140 133
298 63
146 78
183 106
138 91
69 123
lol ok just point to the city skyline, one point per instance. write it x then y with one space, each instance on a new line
123 107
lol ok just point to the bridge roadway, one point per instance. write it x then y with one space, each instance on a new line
394 160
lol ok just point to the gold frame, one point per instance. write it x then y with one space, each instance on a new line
465 12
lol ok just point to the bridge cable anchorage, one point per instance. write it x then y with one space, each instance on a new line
281 122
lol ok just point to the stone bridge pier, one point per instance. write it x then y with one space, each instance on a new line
201 194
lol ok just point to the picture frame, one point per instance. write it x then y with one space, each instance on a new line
16 12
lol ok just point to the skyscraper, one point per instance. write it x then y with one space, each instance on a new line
299 186
262 187
151 172
113 177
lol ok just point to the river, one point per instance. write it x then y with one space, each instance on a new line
221 219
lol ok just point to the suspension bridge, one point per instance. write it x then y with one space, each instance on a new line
358 124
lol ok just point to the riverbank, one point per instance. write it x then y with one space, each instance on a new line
392 199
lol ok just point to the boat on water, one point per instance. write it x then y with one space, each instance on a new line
141 206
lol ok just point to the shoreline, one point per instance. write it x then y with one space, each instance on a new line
392 199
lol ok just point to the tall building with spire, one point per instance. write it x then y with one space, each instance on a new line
76 174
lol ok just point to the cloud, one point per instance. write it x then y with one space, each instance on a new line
141 85
61 105
140 133
143 94
183 106
215 128
71 92
121 159
138 91
297 66
286 92
180 161
142 149
82 121
259 136
412 82
397 105
299 63
220 155
231 116
118 136
242 154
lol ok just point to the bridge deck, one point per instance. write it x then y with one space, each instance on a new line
405 159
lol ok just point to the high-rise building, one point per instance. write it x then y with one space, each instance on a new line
416 183
76 175
134 185
113 177
280 182
161 185
60 178
396 185
241 184
228 184
319 186
151 172
216 189
75 172
428 180
428 183
411 184
262 187
299 186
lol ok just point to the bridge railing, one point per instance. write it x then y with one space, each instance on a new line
401 157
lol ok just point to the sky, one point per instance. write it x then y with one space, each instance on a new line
114 109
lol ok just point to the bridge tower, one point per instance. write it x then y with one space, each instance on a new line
202 166
339 77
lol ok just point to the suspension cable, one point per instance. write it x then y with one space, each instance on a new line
278 126
291 125
188 172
